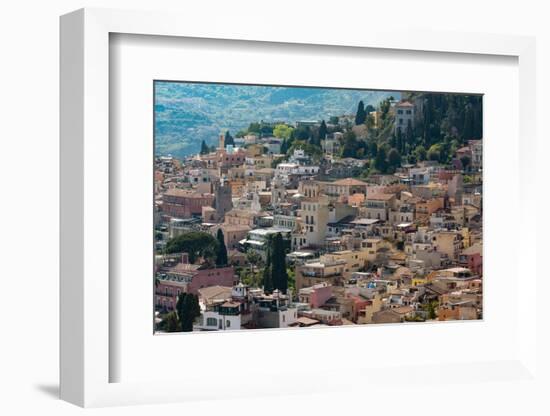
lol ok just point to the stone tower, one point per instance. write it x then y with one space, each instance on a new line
278 191
222 199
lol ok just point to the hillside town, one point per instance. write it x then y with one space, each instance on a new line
366 218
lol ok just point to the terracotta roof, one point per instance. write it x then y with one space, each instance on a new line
185 192
306 321
349 182
220 292
403 309
235 227
381 197
404 104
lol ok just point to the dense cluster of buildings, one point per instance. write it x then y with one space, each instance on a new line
391 248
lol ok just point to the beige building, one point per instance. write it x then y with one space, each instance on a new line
232 234
241 217
345 187
312 225
323 270
366 314
448 242
378 206
355 260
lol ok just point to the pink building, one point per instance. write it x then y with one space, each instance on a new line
316 295
220 276
188 278
472 259
358 303
181 203
231 159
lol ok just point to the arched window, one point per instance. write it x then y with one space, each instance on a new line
228 323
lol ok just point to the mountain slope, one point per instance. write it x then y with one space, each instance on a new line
187 113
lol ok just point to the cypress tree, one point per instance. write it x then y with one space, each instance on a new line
221 255
468 129
322 131
204 148
394 158
278 262
228 139
380 162
284 146
188 310
361 114
399 141
267 278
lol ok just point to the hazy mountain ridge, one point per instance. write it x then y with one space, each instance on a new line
186 113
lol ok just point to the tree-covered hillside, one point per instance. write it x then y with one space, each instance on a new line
188 113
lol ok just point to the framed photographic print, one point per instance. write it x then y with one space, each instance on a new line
371 212
284 205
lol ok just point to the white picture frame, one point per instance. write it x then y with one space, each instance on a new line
86 353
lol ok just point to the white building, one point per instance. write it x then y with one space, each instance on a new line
276 311
285 170
404 114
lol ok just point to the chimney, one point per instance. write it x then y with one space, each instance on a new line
185 258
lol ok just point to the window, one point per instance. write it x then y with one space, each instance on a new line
399 111
211 321
228 323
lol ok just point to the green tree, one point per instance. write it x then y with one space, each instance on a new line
380 162
465 161
420 153
394 158
278 264
282 131
400 143
372 148
267 278
409 137
188 310
301 133
334 120
204 148
284 146
195 243
254 260
228 139
468 127
254 128
221 255
350 144
435 153
322 131
430 309
170 323
361 114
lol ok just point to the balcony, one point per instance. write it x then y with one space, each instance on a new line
320 274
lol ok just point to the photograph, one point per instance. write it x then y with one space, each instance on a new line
305 207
